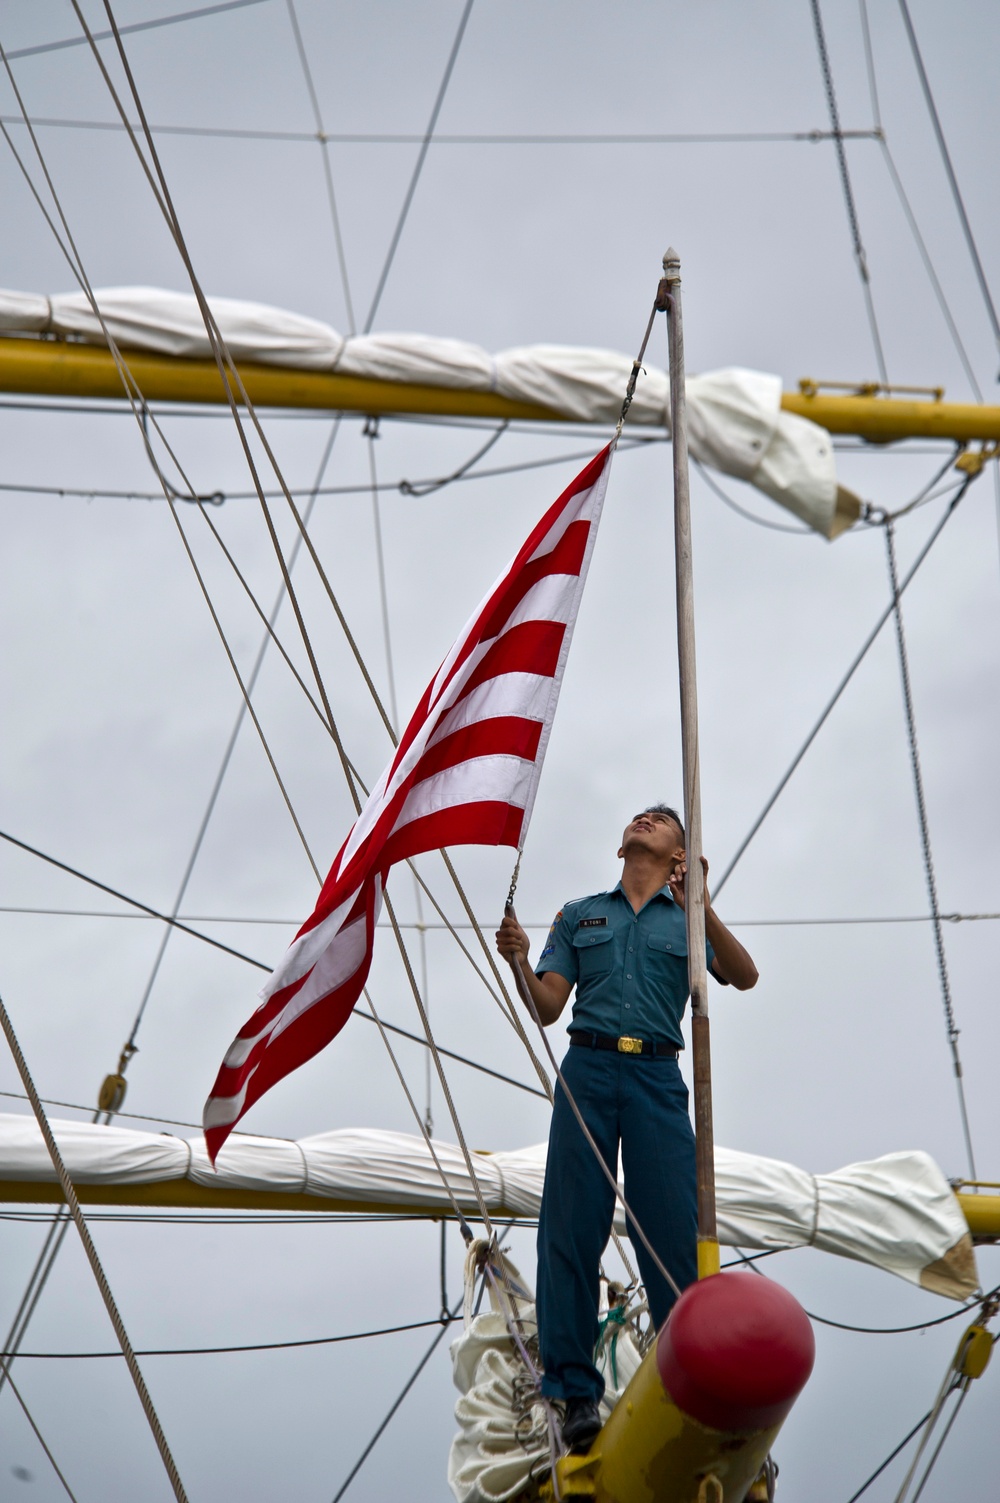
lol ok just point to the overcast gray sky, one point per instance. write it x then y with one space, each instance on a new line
117 699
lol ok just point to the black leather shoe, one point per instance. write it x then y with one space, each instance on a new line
581 1424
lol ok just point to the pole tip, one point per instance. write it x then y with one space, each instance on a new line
671 260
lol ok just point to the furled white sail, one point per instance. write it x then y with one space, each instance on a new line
897 1212
735 418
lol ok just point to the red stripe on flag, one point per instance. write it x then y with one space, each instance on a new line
503 736
303 1039
529 647
565 558
587 477
333 891
483 823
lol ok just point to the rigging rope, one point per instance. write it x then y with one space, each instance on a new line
415 488
153 25
95 1263
396 1403
956 192
418 166
228 372
855 665
37 1279
845 180
219 1351
39 1437
402 138
925 841
424 1129
323 141
928 264
802 532
259 965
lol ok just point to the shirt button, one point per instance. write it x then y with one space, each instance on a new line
628 1004
631 949
628 975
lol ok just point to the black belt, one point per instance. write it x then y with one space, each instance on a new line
622 1045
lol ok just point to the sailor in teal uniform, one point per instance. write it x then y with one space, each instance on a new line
625 952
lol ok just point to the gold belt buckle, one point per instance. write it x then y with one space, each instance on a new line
629 1046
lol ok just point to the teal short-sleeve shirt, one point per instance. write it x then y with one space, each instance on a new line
629 969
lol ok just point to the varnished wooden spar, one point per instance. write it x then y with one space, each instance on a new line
694 907
67 368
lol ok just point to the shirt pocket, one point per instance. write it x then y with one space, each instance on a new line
594 953
658 945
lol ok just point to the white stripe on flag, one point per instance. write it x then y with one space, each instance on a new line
336 965
521 696
499 779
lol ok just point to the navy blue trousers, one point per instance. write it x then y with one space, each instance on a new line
640 1102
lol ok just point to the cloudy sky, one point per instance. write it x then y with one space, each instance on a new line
118 701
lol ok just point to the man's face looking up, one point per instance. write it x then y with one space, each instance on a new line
656 834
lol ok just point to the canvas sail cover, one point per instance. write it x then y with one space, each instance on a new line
736 424
897 1212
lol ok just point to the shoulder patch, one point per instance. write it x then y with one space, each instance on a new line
549 948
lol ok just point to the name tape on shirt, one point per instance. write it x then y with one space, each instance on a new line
592 923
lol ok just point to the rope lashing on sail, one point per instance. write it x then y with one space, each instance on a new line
92 1256
951 1026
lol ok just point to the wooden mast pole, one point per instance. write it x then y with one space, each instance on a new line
708 1239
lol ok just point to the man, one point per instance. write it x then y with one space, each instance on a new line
625 951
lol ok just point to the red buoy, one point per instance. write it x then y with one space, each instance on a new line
736 1352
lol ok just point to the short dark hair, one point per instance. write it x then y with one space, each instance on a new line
670 813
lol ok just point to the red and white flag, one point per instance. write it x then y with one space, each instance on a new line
465 773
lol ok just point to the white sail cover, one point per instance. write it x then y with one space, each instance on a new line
897 1212
735 418
503 1440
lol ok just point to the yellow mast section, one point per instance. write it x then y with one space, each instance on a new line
64 368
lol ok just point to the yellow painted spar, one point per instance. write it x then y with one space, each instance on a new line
60 368
67 368
184 1194
982 1212
887 420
